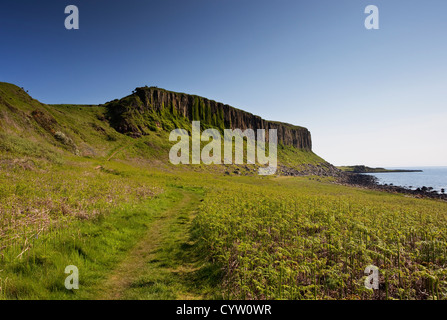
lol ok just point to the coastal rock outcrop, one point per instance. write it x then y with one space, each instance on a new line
149 107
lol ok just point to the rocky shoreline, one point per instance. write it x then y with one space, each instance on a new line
371 182
359 180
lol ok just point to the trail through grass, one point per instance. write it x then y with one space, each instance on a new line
142 250
165 264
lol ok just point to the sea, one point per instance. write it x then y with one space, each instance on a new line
435 177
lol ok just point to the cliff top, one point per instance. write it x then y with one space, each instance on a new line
157 89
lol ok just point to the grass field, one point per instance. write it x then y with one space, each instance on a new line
232 238
292 238
73 191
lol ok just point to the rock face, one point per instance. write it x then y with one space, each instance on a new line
214 114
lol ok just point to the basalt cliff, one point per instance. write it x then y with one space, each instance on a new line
138 127
152 108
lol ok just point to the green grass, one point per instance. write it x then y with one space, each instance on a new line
292 238
294 158
138 227
95 247
177 268
251 237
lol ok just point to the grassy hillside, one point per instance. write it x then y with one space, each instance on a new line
53 132
74 191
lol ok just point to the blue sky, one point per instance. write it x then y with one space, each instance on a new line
374 97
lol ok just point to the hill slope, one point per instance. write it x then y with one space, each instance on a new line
135 127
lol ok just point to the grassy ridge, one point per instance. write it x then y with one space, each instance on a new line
53 132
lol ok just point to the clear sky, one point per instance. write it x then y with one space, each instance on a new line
373 97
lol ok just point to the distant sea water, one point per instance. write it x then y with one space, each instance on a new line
435 177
